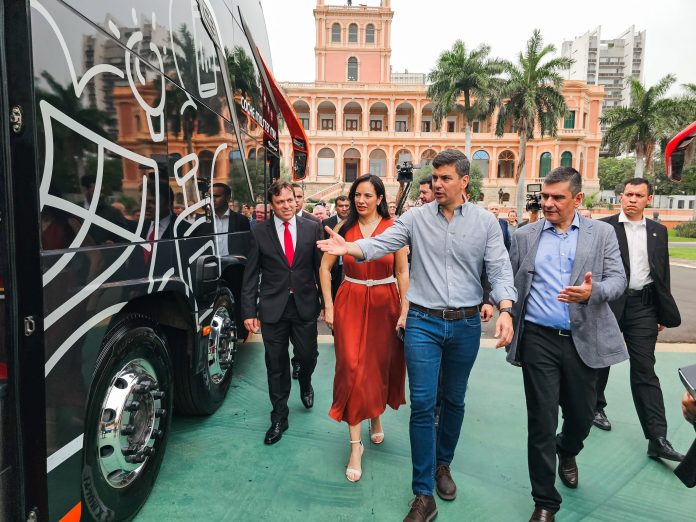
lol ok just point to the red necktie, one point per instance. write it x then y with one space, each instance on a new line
147 254
287 240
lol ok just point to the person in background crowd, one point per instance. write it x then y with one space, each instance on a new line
300 203
226 221
178 209
494 208
246 211
234 206
365 318
585 212
262 212
512 221
425 190
286 304
120 207
645 309
342 206
319 212
567 270
443 323
392 209
532 217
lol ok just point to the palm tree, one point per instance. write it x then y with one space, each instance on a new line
649 117
533 98
471 75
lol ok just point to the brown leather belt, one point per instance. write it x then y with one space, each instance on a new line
448 314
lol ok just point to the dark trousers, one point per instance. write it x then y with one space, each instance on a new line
554 375
639 326
276 338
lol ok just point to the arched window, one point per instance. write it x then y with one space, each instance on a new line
352 69
353 33
544 164
506 164
482 159
370 33
566 159
326 162
336 33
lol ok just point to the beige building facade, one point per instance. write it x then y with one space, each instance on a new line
360 117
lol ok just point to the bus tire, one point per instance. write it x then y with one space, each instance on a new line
128 419
201 390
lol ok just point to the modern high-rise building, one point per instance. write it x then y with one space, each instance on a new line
360 116
607 62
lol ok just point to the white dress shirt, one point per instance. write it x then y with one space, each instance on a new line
280 230
222 226
637 237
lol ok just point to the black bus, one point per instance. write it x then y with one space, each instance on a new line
118 291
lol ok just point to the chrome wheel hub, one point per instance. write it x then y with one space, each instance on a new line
222 343
129 431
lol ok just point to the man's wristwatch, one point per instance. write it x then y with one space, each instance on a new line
507 309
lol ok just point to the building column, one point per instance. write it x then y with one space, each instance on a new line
364 160
313 116
392 116
417 117
366 116
493 165
339 115
391 167
339 162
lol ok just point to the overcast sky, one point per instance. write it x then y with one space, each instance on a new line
421 30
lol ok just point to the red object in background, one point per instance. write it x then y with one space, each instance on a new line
295 128
676 145
3 372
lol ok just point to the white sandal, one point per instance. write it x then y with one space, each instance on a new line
376 437
355 473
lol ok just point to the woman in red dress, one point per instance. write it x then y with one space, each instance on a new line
369 310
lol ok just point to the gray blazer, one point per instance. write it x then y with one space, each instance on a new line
596 333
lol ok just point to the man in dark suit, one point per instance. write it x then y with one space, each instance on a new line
342 210
494 208
643 310
567 270
298 191
228 222
283 252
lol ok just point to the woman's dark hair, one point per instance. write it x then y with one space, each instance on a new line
382 208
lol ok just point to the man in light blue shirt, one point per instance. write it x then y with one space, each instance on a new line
450 240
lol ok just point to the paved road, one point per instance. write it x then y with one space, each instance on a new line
684 291
684 244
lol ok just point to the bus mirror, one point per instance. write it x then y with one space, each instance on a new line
676 164
299 165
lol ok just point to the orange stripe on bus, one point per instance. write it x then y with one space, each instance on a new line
74 514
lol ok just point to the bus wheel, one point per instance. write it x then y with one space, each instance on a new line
201 387
128 419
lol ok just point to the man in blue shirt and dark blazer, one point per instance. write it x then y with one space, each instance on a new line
567 270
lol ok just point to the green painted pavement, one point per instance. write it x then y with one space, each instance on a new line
218 469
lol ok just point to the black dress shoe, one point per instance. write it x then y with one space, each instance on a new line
307 396
568 471
660 448
275 432
542 515
600 420
295 370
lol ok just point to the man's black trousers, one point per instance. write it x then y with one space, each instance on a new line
276 339
639 326
554 375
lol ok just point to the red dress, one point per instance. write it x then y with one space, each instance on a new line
370 364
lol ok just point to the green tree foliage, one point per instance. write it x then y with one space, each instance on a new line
475 183
534 99
613 172
419 174
649 117
471 75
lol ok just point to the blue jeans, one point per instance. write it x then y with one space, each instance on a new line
433 345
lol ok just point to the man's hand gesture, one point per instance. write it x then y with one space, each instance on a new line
577 294
334 245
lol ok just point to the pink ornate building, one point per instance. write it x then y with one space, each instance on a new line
360 117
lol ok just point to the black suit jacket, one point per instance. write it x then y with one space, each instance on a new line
267 259
658 257
330 222
237 244
506 233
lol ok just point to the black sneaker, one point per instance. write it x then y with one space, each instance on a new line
600 420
